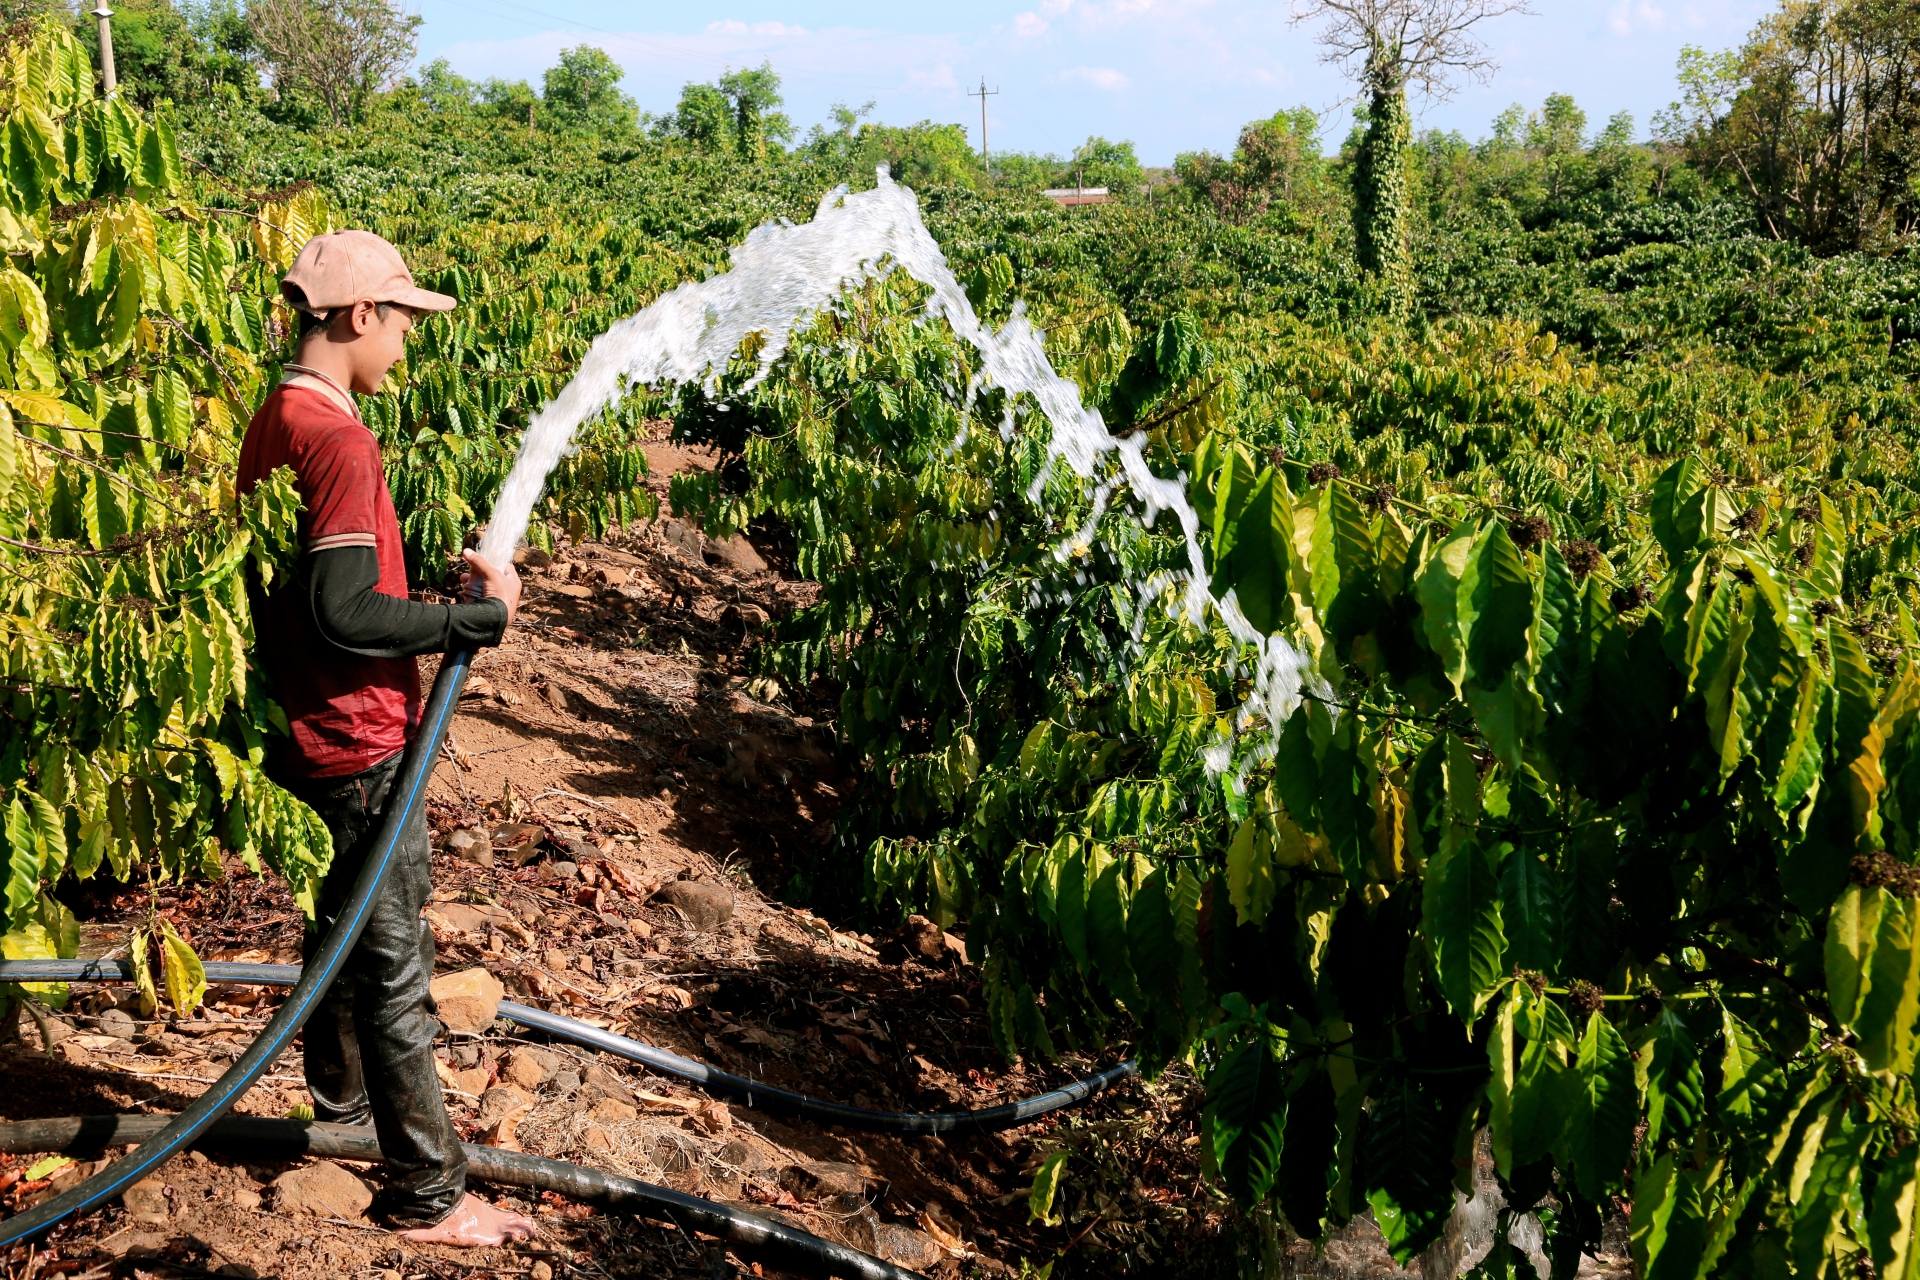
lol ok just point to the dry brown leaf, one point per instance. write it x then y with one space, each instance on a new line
667 993
944 1230
625 880
858 1048
500 1134
852 943
661 1100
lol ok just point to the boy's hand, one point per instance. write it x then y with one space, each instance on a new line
495 584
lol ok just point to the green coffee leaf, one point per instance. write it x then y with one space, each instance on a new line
1853 931
1495 607
1246 1114
1409 1148
1675 1089
1462 923
1107 905
1605 1109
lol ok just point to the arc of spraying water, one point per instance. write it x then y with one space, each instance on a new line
785 273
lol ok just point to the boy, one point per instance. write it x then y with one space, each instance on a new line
339 639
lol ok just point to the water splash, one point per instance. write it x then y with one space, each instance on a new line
781 276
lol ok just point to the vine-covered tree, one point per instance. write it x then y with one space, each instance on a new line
1387 47
753 94
739 112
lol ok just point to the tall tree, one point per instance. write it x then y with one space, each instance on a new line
1816 121
338 53
585 89
754 95
1387 47
1277 159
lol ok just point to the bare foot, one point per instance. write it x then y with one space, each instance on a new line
473 1224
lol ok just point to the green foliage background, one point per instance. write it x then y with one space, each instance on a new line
1596 830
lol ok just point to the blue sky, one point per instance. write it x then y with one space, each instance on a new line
1171 75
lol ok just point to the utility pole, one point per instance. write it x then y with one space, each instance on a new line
108 80
983 94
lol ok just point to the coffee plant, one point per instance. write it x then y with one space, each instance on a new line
141 324
1591 834
1593 829
137 331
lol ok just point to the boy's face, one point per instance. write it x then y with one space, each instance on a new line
371 343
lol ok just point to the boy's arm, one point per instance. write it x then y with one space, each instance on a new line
354 616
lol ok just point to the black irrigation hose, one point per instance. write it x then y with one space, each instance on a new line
759 1096
773 1240
294 1011
782 1102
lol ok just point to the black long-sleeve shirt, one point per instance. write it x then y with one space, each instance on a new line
353 616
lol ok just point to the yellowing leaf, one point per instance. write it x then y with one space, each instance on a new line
1046 1184
186 977
1250 884
45 1168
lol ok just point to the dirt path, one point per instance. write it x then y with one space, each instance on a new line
632 785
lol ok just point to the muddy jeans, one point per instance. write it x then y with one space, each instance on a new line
369 1043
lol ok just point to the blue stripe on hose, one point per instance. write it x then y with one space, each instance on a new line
318 976
757 1095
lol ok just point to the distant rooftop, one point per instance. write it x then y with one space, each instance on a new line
1069 196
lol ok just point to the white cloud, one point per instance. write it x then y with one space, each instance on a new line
1093 15
1630 18
731 27
1035 22
1099 77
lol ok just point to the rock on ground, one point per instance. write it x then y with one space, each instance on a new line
322 1189
474 846
115 1022
466 1000
608 1085
906 1247
529 1068
684 538
923 937
146 1200
501 1099
613 1109
737 554
472 1081
463 917
818 1179
707 905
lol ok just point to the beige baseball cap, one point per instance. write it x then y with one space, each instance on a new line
340 268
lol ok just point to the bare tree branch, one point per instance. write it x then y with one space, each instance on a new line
340 52
1388 46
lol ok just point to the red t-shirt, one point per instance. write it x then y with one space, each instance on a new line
348 713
